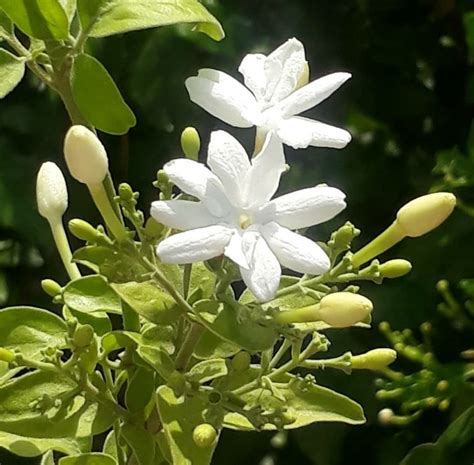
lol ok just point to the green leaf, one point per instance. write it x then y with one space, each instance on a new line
31 330
108 17
98 98
48 458
179 417
6 26
140 390
211 346
110 445
141 442
70 7
98 320
158 359
12 70
207 370
224 322
91 294
149 301
93 458
42 19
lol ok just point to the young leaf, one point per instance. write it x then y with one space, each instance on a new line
12 70
141 442
107 17
91 294
179 417
88 459
140 390
30 330
98 98
207 370
41 19
211 346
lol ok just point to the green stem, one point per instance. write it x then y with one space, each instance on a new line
280 353
186 350
187 279
62 244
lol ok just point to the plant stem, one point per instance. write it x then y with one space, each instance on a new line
186 350
62 244
281 351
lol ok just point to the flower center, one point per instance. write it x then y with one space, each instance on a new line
244 221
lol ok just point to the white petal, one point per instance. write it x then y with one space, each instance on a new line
195 179
252 69
283 69
299 132
234 250
223 97
312 94
265 173
263 275
195 245
294 251
182 214
229 161
306 207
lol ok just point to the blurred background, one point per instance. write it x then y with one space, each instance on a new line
409 107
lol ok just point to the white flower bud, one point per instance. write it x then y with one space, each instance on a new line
51 191
376 359
425 213
344 309
85 155
385 416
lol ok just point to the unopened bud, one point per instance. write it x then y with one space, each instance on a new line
375 360
241 361
51 192
344 309
6 355
52 288
395 268
191 143
425 213
204 435
83 336
85 155
83 230
385 416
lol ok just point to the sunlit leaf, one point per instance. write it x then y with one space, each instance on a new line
12 70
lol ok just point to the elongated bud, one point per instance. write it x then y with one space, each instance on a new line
51 192
204 435
85 155
375 360
395 268
344 309
425 213
83 230
191 143
52 288
6 355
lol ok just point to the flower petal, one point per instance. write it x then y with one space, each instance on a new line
195 179
304 208
234 250
294 251
299 132
223 97
252 69
182 214
264 175
263 275
283 69
195 245
312 94
229 161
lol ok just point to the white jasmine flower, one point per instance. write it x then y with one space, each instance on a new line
235 215
273 97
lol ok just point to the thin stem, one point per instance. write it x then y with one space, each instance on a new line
186 350
280 353
62 244
187 279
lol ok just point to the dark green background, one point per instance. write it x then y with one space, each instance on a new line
411 95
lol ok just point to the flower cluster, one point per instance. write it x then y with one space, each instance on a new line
234 214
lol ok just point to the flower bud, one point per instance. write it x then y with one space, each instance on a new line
191 143
376 359
52 288
344 309
6 355
204 435
85 155
51 192
241 361
425 213
83 336
385 416
83 230
395 268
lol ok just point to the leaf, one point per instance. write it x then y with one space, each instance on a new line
6 26
31 330
149 301
179 417
207 370
48 458
140 390
141 442
91 294
98 320
224 322
98 98
158 359
110 445
12 70
93 458
211 346
70 7
108 17
42 19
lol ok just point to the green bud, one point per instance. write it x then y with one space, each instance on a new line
395 268
342 238
443 385
6 355
204 435
52 288
241 362
125 192
191 143
444 405
83 230
375 360
83 336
